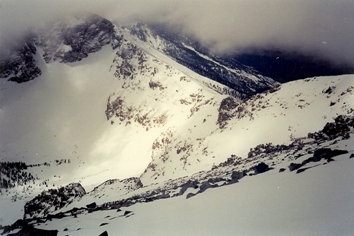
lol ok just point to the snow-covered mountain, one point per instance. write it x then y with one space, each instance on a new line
193 55
88 107
105 117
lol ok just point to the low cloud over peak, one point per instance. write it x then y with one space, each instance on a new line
320 27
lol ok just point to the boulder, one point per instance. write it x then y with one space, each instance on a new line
294 166
91 205
104 234
261 168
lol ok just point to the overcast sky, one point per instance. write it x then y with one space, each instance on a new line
324 27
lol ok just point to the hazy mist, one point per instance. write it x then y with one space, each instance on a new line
321 27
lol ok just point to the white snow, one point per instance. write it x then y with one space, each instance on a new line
298 108
239 72
316 202
11 210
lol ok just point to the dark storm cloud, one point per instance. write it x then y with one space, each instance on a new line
315 26
323 27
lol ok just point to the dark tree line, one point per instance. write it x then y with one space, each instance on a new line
12 174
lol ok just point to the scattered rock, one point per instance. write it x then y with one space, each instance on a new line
30 231
261 168
204 187
339 128
127 213
325 153
267 148
226 111
302 170
318 155
294 166
236 175
329 90
57 198
189 195
188 184
91 205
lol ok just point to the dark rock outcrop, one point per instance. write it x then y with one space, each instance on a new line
226 111
79 40
318 155
294 166
104 234
341 127
21 65
91 205
29 231
64 43
260 168
53 198
127 213
325 153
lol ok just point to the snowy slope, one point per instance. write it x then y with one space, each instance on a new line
63 114
333 143
294 110
41 117
318 201
277 117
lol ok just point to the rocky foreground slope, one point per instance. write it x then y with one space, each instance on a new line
334 142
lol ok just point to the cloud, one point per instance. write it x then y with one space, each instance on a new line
322 27
20 17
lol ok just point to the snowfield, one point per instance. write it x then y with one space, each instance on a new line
317 202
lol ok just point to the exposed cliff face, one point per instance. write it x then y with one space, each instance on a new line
73 40
68 41
21 66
